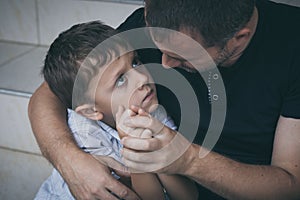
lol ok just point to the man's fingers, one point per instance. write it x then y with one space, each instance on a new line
134 108
141 162
141 144
138 157
106 195
146 134
112 163
142 112
140 133
137 132
112 185
123 114
146 122
125 173
139 110
138 121
121 191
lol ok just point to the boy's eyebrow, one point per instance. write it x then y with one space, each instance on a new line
120 70
116 73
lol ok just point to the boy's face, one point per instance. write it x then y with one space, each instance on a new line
123 83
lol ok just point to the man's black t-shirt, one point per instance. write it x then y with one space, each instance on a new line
262 85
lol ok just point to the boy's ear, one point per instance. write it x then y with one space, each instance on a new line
89 111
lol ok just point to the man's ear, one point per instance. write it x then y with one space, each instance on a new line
243 36
239 41
89 111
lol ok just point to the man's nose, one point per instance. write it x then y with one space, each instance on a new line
169 62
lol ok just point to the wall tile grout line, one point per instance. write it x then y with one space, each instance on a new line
20 151
132 2
17 56
23 43
16 93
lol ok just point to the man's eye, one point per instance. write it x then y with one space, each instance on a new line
121 80
136 62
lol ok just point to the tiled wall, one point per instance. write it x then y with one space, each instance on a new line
27 27
40 21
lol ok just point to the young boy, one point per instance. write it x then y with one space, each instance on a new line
94 78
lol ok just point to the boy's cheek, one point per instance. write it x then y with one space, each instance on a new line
122 129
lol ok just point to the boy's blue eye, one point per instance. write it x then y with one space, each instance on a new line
121 80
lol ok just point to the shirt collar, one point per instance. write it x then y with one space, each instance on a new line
109 130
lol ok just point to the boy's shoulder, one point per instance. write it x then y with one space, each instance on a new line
79 123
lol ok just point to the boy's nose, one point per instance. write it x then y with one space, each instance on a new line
142 78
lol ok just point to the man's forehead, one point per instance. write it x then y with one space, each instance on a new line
168 39
180 46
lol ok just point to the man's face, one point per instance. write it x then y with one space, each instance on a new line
124 82
187 52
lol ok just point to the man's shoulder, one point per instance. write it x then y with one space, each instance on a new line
279 15
278 24
135 20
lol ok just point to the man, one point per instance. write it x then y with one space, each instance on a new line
256 157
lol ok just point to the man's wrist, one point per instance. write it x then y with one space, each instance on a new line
190 160
68 155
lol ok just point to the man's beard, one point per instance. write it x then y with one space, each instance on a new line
223 56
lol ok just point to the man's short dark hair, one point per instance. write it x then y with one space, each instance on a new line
216 20
67 53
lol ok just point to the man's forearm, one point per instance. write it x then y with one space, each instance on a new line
47 116
234 180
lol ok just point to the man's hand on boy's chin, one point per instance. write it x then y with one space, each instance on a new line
124 130
161 152
142 120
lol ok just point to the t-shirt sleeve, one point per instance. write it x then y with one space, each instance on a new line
291 101
135 20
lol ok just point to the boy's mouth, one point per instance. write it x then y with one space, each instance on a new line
149 96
